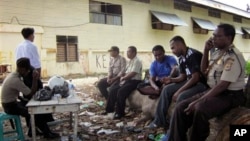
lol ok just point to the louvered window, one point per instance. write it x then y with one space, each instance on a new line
67 49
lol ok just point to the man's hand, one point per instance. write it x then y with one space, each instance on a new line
35 74
122 78
156 88
209 44
109 80
191 107
166 80
175 96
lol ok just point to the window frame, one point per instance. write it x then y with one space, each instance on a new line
66 44
144 1
214 13
105 13
182 5
237 18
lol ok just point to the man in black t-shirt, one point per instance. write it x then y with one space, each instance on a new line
188 83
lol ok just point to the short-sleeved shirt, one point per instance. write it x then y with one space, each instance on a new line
162 69
190 63
11 88
117 66
29 50
229 67
134 65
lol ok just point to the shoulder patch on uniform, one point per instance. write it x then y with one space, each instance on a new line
228 64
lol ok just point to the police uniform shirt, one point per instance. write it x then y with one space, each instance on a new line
229 67
117 66
134 65
190 63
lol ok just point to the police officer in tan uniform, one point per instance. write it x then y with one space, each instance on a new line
225 77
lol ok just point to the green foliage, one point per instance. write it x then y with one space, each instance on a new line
247 69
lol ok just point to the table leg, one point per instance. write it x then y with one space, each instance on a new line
75 125
33 127
70 120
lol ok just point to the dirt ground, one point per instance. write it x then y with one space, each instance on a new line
94 127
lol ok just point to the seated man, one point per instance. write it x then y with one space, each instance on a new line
189 82
128 83
11 88
225 77
163 66
116 69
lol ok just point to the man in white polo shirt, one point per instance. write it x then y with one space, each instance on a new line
28 49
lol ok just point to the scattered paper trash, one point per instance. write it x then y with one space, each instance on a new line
131 123
119 124
100 103
84 106
95 127
86 113
86 124
107 131
88 100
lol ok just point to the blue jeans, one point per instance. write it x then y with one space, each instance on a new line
166 98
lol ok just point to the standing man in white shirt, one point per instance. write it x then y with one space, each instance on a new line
28 49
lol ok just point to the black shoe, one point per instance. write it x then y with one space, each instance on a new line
38 133
117 116
56 134
104 113
51 135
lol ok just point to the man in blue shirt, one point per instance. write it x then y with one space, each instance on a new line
163 66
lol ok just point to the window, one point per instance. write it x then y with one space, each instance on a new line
165 21
182 5
198 30
157 24
146 1
246 33
105 13
67 49
201 26
237 19
214 13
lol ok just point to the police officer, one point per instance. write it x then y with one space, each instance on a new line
225 77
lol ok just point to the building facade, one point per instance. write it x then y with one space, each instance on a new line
73 36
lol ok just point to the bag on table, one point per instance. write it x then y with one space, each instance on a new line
43 94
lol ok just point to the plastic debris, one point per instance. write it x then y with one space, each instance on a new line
100 103
84 106
159 137
107 131
86 124
87 113
119 124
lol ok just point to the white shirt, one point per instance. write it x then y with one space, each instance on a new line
29 50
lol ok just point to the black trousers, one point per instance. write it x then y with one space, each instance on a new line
17 108
103 85
204 110
118 94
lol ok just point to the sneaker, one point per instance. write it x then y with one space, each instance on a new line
164 137
104 113
152 125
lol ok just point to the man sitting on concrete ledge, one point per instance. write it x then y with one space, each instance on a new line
225 77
